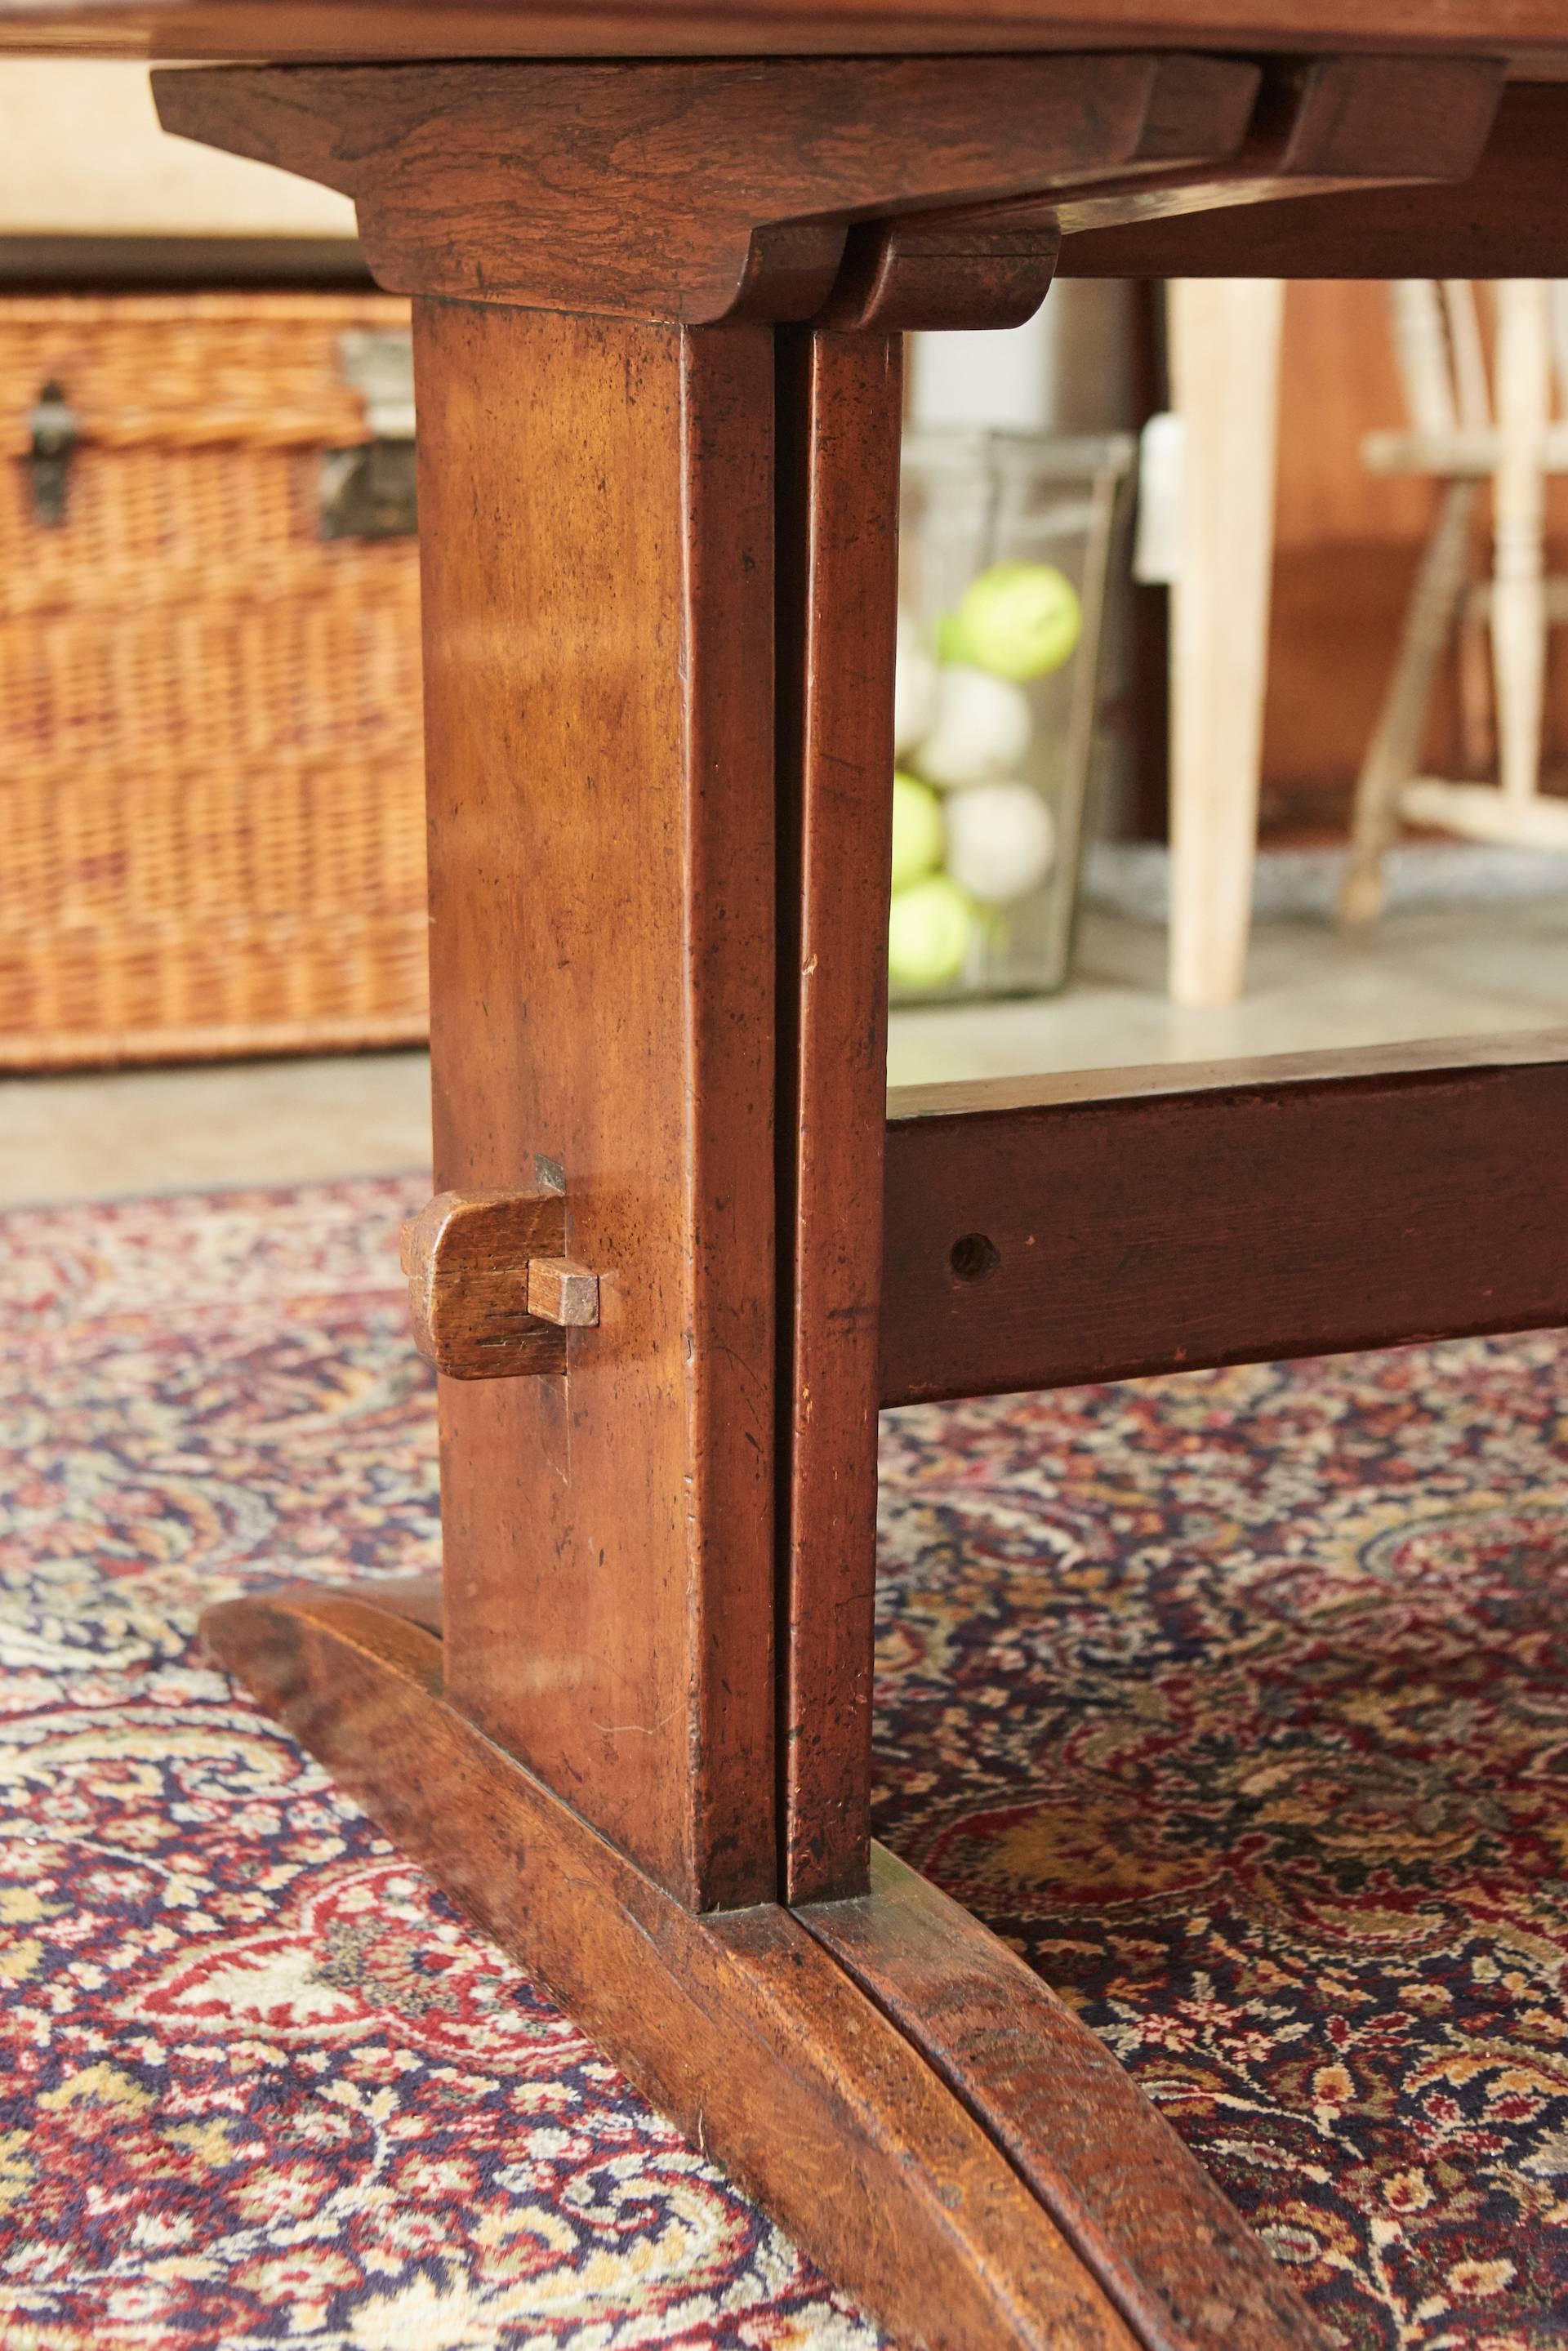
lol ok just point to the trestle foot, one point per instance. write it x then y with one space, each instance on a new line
936 2131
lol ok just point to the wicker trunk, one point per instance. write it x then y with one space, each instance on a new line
211 788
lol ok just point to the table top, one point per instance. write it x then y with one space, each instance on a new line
1532 33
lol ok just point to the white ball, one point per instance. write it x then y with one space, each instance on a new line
1001 842
980 729
914 688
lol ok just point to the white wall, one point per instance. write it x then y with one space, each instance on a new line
81 155
1067 370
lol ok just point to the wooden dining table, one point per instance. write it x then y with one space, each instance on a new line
663 254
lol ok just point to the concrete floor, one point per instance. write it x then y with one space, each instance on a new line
1434 972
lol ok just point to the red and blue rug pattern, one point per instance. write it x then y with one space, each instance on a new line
1238 1703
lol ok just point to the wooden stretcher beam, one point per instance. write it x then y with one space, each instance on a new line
1109 1223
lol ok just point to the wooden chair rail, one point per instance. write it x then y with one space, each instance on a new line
1111 1224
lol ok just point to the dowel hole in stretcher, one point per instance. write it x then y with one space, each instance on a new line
974 1257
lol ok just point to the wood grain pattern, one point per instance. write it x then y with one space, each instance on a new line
1168 2248
466 1257
1503 220
596 543
741 2027
839 403
1329 1203
1531 32
693 192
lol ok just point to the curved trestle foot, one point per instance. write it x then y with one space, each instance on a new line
926 2121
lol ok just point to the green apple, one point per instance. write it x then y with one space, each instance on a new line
928 934
1018 620
916 830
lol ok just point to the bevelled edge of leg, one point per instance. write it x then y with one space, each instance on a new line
740 2026
1168 2247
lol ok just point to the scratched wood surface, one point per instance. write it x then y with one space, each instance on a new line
1169 2249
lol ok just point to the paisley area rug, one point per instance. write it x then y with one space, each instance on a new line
1237 1702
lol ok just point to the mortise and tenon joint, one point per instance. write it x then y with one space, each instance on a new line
492 1292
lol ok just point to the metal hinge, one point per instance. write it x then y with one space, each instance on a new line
55 429
369 492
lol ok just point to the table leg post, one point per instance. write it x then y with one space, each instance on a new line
839 421
597 523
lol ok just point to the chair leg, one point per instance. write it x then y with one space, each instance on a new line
1392 755
1519 611
1225 356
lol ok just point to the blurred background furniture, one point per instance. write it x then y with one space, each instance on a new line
1224 357
212 785
1458 436
212 788
1253 702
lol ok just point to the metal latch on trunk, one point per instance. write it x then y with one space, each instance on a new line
54 430
367 492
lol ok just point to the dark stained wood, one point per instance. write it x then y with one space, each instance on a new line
1329 124
1348 117
899 275
840 404
596 544
466 1257
740 2026
1521 1049
1201 106
693 192
1147 2221
1505 219
966 268
1531 32
1333 1202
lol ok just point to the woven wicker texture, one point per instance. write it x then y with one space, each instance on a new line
211 790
